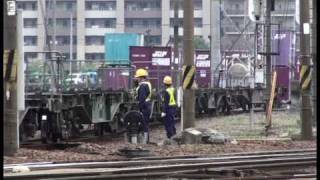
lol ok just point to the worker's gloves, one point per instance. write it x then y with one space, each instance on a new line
163 114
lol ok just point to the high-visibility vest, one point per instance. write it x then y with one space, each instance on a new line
150 89
172 101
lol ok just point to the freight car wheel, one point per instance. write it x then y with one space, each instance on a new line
98 130
221 105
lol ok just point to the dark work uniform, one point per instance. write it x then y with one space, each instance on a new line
144 97
169 108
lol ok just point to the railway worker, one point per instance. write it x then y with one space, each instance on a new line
144 90
169 107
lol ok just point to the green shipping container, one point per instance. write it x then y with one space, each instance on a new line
117 47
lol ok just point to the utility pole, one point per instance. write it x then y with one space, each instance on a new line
305 71
188 113
268 51
176 43
54 21
71 42
10 123
314 40
53 65
215 47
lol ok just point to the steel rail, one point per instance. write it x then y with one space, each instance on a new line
169 173
188 156
273 177
176 167
114 164
230 154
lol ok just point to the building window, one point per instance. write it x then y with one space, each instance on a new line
61 40
197 5
94 56
145 5
152 40
237 6
143 22
30 40
197 22
66 5
62 22
30 55
94 40
27 5
101 5
29 22
100 22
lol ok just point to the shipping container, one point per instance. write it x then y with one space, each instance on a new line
286 48
117 47
283 82
114 78
203 68
159 63
157 60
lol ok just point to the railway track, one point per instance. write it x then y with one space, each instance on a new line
88 135
255 165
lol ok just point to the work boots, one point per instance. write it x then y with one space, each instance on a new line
145 139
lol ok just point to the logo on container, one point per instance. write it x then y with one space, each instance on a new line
159 54
280 36
202 56
138 55
203 63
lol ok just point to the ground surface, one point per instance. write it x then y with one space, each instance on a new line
237 127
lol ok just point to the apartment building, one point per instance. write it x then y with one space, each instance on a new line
91 19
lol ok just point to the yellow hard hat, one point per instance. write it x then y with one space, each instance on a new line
141 72
167 80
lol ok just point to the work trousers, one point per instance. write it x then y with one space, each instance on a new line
169 122
145 109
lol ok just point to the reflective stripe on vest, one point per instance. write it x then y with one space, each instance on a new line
172 101
150 89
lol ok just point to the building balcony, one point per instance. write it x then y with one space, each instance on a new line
32 48
197 31
63 31
142 30
235 11
99 31
100 14
196 14
59 13
30 31
65 48
145 14
94 49
29 14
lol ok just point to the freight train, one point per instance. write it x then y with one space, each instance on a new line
105 102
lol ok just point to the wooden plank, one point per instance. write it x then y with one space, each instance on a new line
269 110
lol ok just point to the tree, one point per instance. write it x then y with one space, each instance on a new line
200 43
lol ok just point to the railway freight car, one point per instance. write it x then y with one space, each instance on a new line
62 114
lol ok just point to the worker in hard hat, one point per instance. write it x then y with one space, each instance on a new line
169 107
144 90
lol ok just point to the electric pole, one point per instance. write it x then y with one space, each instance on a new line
314 40
305 71
268 51
71 43
188 68
176 43
10 123
215 46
